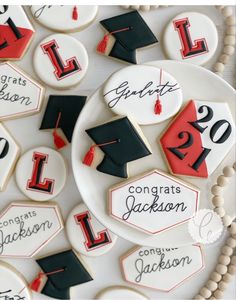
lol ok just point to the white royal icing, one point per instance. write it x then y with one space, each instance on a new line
134 90
9 152
161 269
19 94
120 292
79 237
12 284
25 228
66 66
60 17
41 173
202 34
163 200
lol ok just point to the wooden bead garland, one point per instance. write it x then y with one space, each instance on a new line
226 266
143 7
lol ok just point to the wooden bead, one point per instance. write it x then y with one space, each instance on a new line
205 293
230 20
211 285
220 211
218 201
218 294
228 171
212 298
229 40
215 276
145 7
231 30
220 7
227 220
227 11
231 242
135 7
232 269
224 59
216 189
125 6
222 180
224 260
221 269
227 277
198 297
232 228
222 286
229 50
226 250
219 67
233 260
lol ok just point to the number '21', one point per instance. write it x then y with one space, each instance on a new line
189 138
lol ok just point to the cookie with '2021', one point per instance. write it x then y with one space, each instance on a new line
191 37
199 138
60 61
20 95
26 227
64 18
12 284
86 235
41 173
16 32
163 200
149 94
9 153
161 269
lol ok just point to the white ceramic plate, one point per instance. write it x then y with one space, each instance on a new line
197 83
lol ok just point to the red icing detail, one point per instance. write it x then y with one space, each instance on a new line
58 140
16 47
170 139
75 13
36 283
189 48
89 156
158 107
102 45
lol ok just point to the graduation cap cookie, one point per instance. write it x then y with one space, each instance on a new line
121 141
126 33
62 112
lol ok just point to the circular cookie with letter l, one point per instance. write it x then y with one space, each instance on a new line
60 61
41 173
149 94
12 284
64 18
86 234
120 292
191 37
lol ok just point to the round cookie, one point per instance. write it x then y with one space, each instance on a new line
41 173
60 61
191 37
120 292
64 18
86 235
12 284
151 98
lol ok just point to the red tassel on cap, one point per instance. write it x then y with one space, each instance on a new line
75 13
158 107
35 285
58 140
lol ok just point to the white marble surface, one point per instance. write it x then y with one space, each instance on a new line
106 269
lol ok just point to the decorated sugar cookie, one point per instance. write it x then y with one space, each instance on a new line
120 292
41 173
9 153
12 284
60 61
161 269
62 112
60 272
20 95
64 18
163 200
86 235
149 94
16 32
26 227
124 35
191 37
121 140
199 138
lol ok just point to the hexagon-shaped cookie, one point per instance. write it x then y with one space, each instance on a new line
199 138
9 153
153 202
161 269
20 95
26 227
16 32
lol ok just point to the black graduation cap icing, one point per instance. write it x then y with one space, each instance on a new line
121 141
50 290
69 108
130 32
